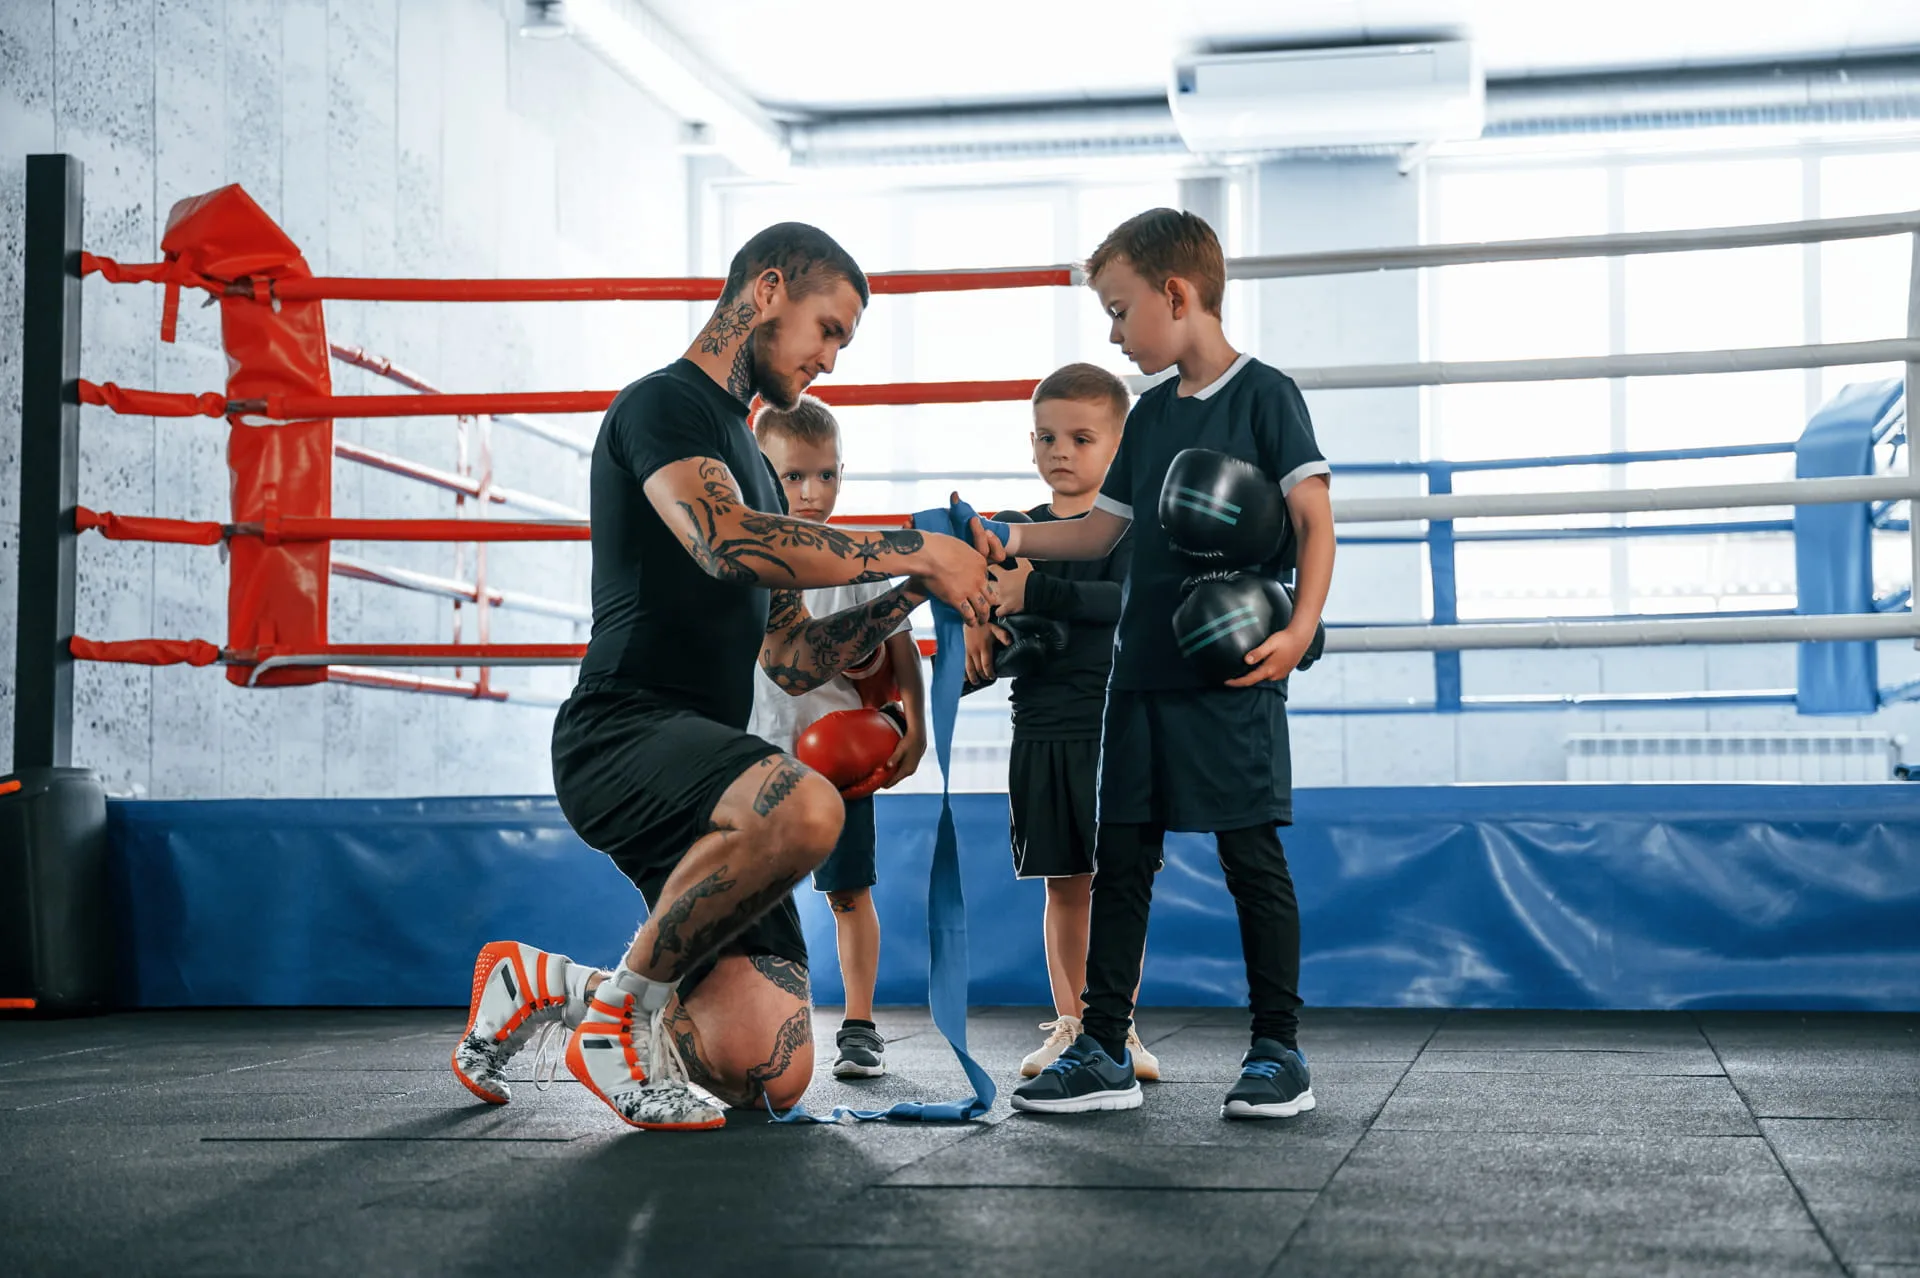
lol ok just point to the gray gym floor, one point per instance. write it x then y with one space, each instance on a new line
288 1142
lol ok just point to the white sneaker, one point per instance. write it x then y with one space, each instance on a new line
1059 1039
1146 1066
640 1077
517 991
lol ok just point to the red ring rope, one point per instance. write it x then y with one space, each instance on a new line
694 289
293 408
304 529
224 245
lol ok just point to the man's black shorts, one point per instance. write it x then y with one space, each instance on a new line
639 778
1203 759
1050 789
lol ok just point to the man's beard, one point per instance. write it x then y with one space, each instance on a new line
759 378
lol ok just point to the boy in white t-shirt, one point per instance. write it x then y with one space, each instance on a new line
803 445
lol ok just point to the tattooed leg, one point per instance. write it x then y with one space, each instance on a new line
746 1032
774 824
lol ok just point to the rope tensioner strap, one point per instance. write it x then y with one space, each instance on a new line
179 532
147 652
148 403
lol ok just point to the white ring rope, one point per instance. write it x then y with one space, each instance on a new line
1756 359
1791 492
1623 634
382 660
452 588
1350 261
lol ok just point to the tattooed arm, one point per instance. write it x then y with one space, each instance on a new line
802 651
700 501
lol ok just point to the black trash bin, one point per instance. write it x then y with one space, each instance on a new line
56 915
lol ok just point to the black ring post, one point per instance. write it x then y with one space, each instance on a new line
57 923
49 464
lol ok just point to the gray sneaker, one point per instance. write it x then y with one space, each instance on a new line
1081 1078
859 1053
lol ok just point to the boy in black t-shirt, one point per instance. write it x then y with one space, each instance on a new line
1078 414
1177 752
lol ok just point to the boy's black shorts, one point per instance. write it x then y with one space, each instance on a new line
850 868
638 778
1050 792
1202 759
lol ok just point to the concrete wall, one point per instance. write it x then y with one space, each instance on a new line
415 138
1303 206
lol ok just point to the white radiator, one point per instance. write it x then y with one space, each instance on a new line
1732 756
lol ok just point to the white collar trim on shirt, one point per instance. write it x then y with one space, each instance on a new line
1208 391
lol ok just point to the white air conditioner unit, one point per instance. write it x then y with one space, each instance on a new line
1362 96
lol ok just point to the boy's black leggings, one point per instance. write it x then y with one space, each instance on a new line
1125 858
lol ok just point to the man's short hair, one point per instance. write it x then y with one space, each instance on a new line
809 259
1088 383
1162 243
809 421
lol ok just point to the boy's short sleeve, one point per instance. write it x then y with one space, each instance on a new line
1116 491
1288 439
660 423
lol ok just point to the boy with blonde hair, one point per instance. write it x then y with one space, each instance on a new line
1079 412
803 445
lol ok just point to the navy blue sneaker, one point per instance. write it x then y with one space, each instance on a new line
1274 1083
1081 1078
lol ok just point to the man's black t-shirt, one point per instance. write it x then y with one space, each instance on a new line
1253 412
660 624
1063 702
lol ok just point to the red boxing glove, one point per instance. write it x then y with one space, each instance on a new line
873 679
851 747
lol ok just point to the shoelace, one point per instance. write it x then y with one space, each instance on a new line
1261 1068
548 1050
663 1061
1064 1062
1059 1029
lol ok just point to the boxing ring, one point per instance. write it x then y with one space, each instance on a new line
1517 896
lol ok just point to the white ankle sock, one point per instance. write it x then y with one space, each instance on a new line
575 1011
651 995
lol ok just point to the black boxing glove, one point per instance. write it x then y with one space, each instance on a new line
1034 642
1221 510
1225 616
1316 647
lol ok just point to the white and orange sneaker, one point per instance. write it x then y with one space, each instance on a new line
517 992
636 1072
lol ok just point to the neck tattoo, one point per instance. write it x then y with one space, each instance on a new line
740 376
727 324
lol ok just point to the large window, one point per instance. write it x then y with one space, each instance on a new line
1846 291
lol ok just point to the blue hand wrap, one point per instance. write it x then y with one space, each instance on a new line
961 512
946 906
